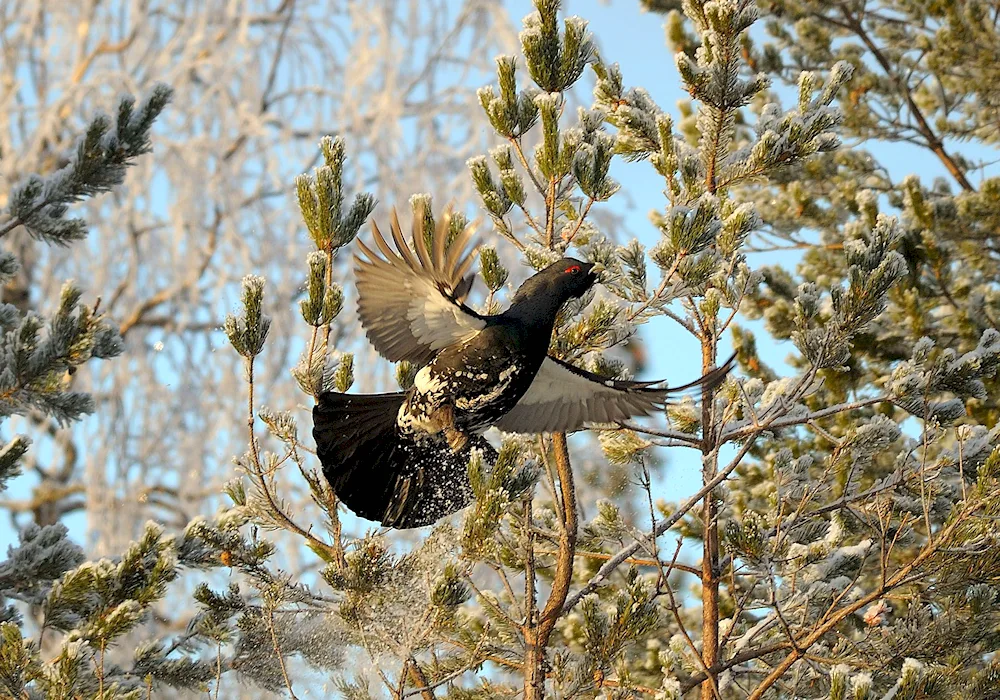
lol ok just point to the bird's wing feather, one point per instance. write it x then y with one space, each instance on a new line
563 398
410 301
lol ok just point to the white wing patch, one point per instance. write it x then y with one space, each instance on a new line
436 321
564 398
410 300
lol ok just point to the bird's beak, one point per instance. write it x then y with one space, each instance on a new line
596 271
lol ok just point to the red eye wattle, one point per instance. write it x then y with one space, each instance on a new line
573 269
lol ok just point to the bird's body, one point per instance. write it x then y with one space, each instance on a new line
402 458
474 384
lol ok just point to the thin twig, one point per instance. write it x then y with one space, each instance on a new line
634 561
277 651
902 577
934 142
475 660
259 474
218 669
687 637
550 212
634 313
568 238
668 522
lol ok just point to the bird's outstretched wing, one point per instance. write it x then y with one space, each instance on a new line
410 300
563 398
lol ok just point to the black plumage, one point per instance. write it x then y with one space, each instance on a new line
382 474
401 458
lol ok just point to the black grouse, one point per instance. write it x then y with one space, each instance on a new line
402 458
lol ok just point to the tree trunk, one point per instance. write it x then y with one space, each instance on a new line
538 630
534 665
710 554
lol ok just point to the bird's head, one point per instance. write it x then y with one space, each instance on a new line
561 281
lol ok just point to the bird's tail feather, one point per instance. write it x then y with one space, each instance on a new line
383 475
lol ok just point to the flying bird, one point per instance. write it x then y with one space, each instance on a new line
402 458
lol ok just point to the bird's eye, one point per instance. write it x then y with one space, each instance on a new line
573 269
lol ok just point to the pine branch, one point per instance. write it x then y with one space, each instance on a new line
666 523
102 156
933 142
829 621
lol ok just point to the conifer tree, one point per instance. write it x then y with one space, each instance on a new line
917 81
88 605
73 628
257 84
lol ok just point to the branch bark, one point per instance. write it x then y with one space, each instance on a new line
420 680
934 142
537 636
709 518
901 577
